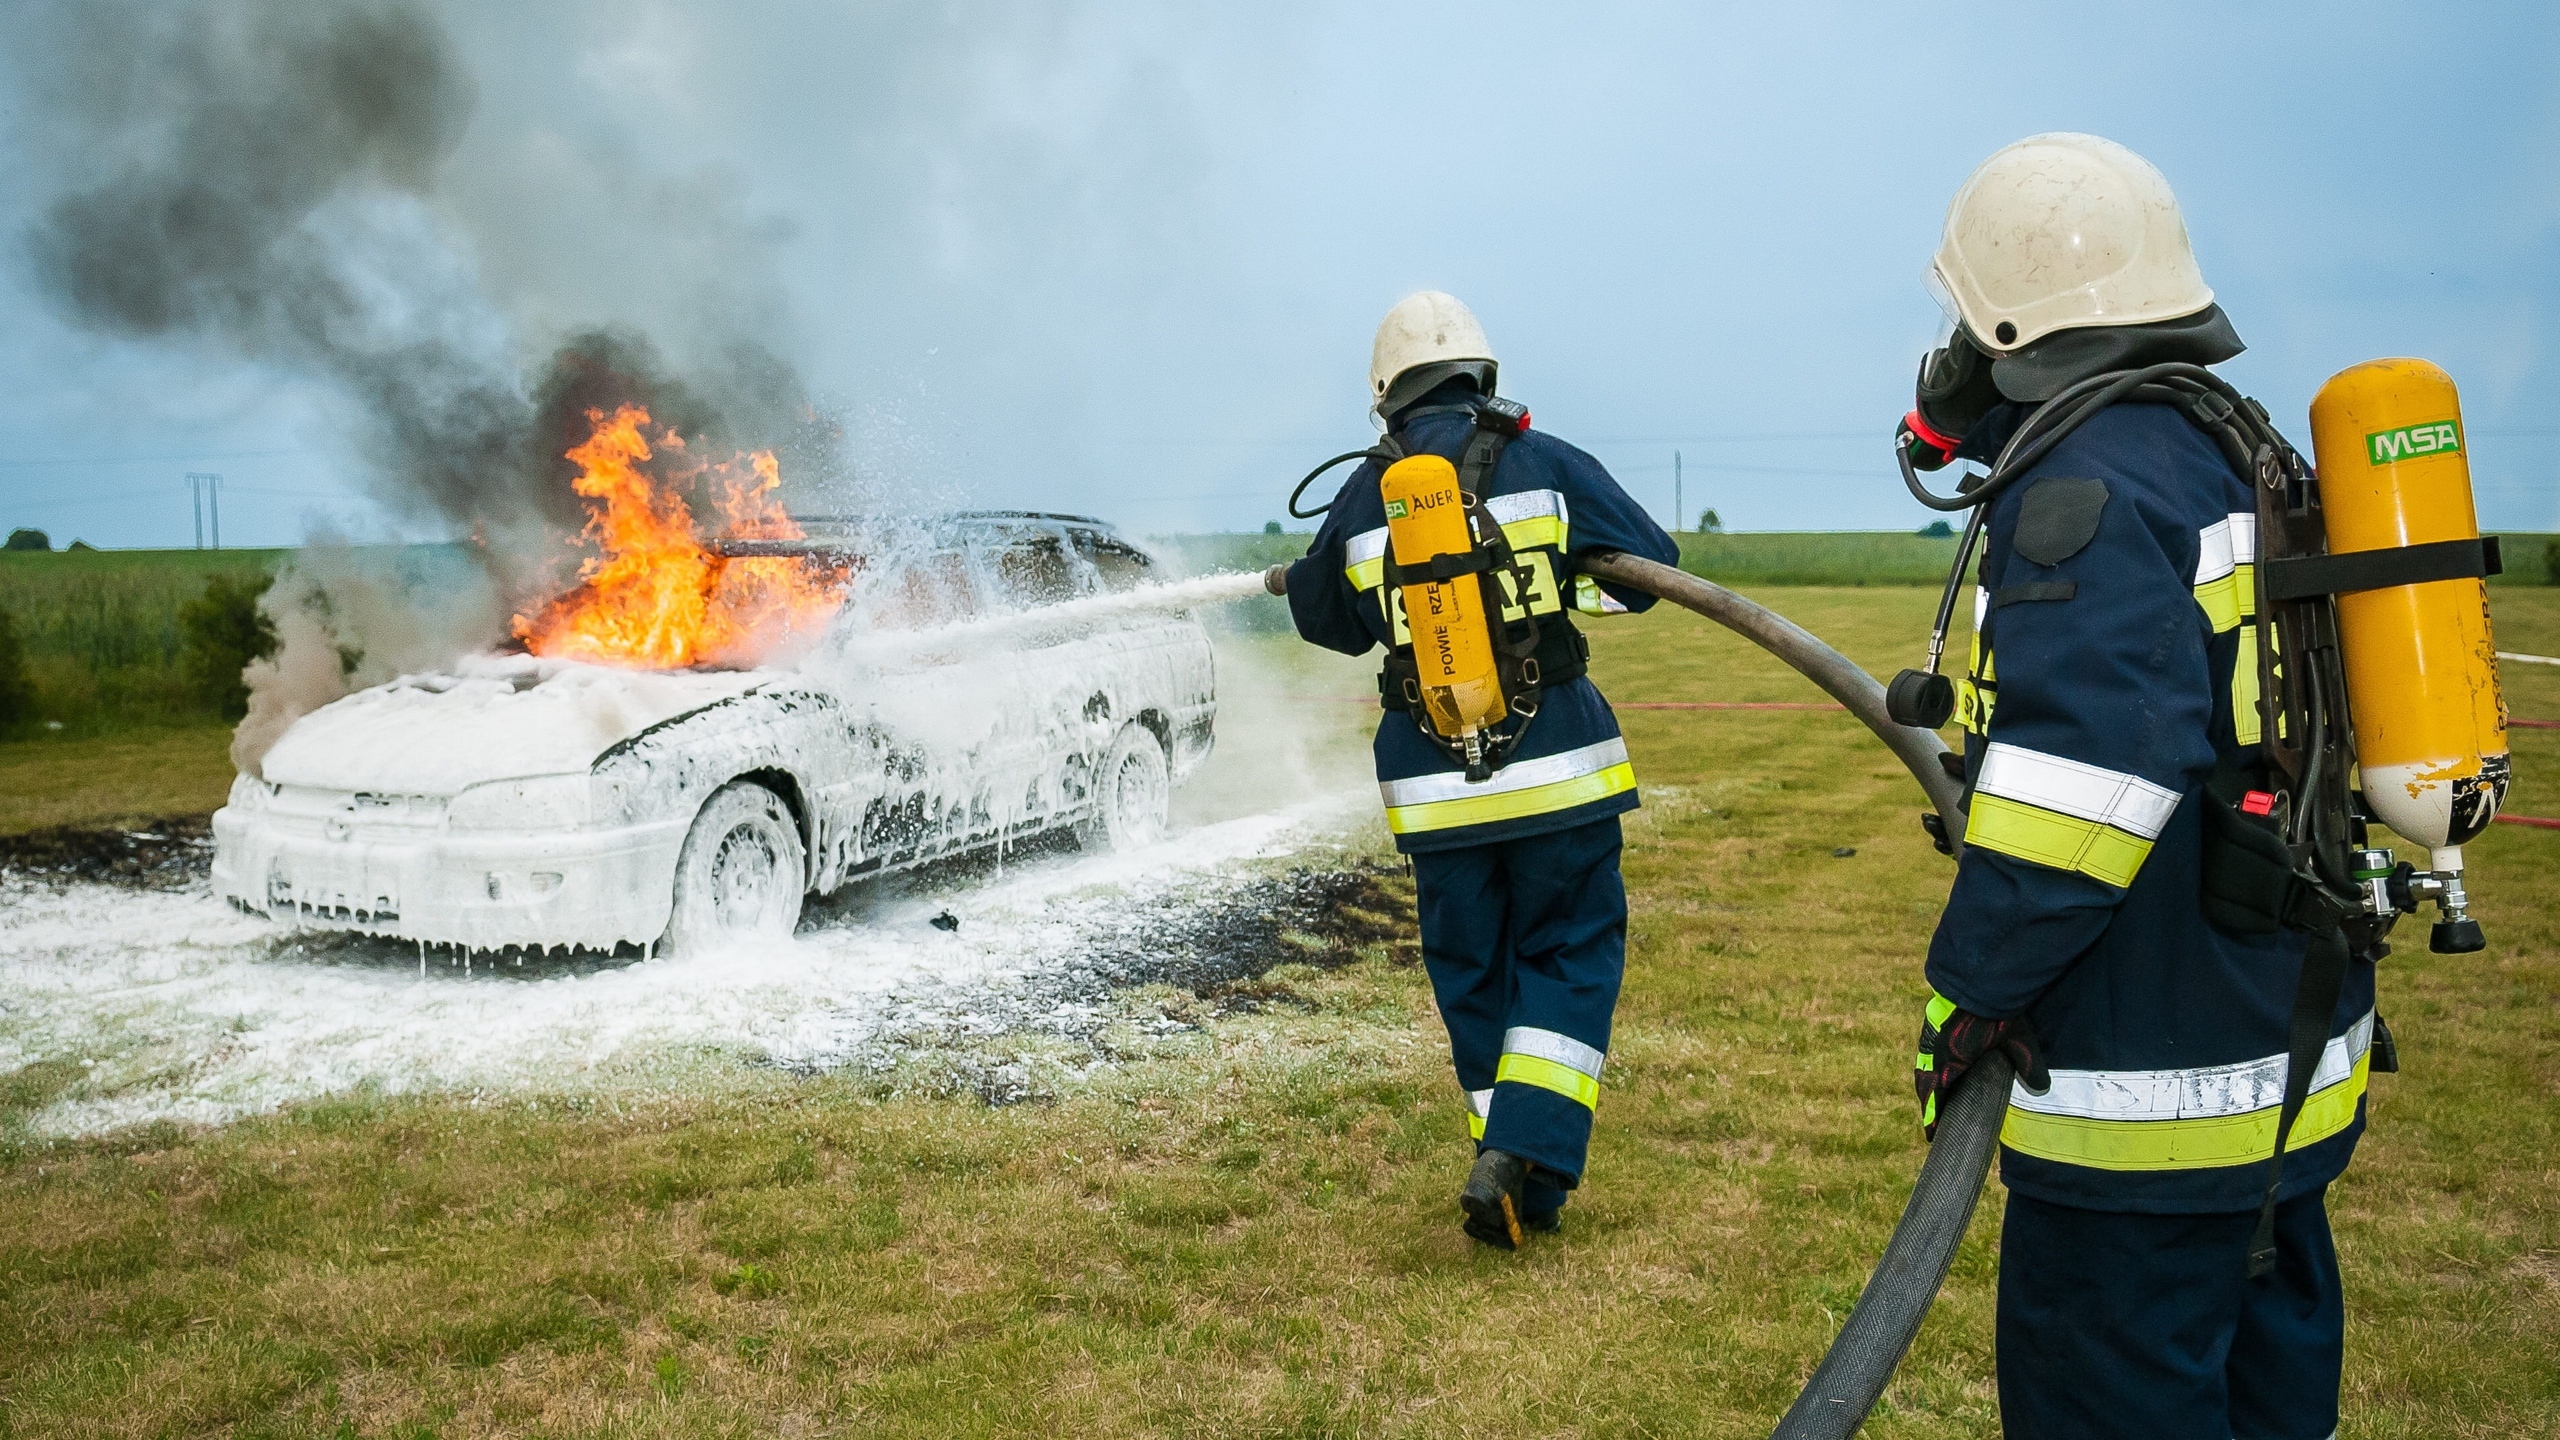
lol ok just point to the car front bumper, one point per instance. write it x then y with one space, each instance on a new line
587 888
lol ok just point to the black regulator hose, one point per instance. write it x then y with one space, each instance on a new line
1864 1355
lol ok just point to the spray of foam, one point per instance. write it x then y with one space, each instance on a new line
1034 623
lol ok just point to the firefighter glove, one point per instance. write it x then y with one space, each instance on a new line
1953 1038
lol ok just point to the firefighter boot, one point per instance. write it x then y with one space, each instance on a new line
1492 1199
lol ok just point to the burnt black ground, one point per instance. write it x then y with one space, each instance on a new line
172 852
1214 939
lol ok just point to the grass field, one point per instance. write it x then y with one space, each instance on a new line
1249 1231
1819 557
131 774
103 644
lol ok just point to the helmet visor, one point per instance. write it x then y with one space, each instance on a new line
1946 298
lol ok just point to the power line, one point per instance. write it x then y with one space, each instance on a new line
183 455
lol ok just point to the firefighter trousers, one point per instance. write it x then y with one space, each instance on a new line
2118 1325
1526 941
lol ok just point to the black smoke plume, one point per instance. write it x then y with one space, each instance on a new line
263 176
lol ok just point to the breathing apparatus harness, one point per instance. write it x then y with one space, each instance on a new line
1528 655
2285 843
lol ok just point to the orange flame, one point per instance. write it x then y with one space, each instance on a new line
657 598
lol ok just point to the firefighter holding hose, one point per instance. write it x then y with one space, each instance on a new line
1453 546
2112 719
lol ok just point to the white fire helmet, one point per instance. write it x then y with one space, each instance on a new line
1429 328
2062 231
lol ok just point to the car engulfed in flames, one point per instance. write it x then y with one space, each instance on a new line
693 742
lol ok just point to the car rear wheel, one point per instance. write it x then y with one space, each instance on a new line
1132 794
742 871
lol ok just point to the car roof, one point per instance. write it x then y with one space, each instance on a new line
1001 526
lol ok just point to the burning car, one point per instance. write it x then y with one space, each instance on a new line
547 799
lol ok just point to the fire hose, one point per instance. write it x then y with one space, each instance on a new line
1853 1373
1881 1327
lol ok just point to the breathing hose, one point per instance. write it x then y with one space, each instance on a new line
1881 1327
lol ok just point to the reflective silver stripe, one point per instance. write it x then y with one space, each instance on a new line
1518 775
1526 505
1550 1045
2206 1093
2224 546
2072 787
1363 555
1364 559
1480 1102
1981 608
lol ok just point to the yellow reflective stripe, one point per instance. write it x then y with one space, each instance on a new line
1974 704
2229 597
2063 842
1364 559
2244 688
1536 531
2199 1144
1590 599
1511 805
1475 1127
1548 1075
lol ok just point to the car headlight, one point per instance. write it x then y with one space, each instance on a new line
543 802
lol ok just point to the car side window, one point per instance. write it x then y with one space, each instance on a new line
1034 571
929 590
1119 567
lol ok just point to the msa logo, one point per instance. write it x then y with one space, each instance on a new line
2413 442
1397 510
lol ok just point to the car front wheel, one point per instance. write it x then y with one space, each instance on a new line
1133 794
742 872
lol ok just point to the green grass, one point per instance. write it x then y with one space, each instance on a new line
1838 557
101 633
136 773
101 630
1250 1230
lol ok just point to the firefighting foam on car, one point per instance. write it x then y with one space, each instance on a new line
726 714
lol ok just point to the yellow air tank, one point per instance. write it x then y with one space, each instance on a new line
1452 643
2422 671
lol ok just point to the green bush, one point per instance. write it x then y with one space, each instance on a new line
17 693
29 540
2551 561
224 630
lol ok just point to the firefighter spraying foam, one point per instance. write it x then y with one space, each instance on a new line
1454 546
2168 911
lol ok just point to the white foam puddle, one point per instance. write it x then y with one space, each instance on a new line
176 1008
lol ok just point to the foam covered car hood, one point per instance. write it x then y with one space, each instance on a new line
499 717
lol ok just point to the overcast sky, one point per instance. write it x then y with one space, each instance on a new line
1125 258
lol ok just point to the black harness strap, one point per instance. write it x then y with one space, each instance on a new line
1530 656
2303 576
2315 1000
1440 570
2032 591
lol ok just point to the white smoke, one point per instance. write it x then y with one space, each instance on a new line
346 619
